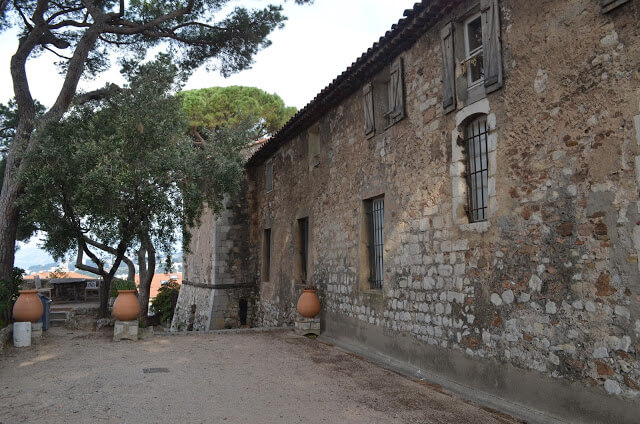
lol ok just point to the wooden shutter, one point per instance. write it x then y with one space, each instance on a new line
396 92
369 123
491 45
608 5
448 69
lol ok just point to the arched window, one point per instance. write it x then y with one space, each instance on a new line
476 148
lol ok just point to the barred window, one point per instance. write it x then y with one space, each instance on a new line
303 248
478 169
374 210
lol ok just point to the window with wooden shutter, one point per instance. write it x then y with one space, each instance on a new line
448 69
369 123
395 110
491 45
608 5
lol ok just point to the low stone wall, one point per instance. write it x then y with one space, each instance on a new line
6 334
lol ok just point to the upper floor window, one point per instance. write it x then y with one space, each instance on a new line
473 45
383 99
472 65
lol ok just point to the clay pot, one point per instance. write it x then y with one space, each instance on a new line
126 306
28 307
309 304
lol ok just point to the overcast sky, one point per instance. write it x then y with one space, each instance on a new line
317 44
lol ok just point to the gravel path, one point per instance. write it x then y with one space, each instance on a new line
79 377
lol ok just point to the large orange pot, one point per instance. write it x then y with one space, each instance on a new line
126 306
28 307
309 304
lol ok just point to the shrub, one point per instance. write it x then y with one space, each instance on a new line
118 284
165 302
8 295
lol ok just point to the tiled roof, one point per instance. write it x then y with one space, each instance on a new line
401 36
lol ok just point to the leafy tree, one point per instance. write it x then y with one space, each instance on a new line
164 304
83 34
218 106
119 174
8 295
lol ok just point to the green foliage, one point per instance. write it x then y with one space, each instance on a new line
164 304
9 123
8 295
121 168
192 35
118 284
223 106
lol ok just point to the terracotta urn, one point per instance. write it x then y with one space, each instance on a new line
28 307
309 304
126 306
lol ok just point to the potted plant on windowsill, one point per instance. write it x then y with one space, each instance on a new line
309 303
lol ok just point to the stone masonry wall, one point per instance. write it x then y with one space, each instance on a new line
551 281
216 278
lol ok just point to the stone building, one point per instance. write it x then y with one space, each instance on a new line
465 196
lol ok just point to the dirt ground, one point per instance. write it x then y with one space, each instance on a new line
235 377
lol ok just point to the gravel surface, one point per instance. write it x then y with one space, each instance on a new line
235 377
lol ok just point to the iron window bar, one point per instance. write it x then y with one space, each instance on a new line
375 223
478 175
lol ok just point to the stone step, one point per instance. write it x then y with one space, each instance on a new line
59 315
57 322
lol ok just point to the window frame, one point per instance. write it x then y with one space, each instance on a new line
469 55
374 236
478 203
303 249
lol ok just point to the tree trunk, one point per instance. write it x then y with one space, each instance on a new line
9 212
146 270
105 286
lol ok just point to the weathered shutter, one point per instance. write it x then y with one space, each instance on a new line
491 45
396 92
608 5
369 123
448 69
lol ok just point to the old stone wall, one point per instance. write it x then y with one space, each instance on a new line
218 289
550 282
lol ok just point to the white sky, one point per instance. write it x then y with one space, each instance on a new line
317 44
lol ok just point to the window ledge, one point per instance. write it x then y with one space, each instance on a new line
372 292
476 227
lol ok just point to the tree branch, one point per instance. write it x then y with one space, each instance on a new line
108 249
82 266
56 53
63 12
99 94
71 23
136 28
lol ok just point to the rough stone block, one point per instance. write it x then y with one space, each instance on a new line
36 332
125 330
304 326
